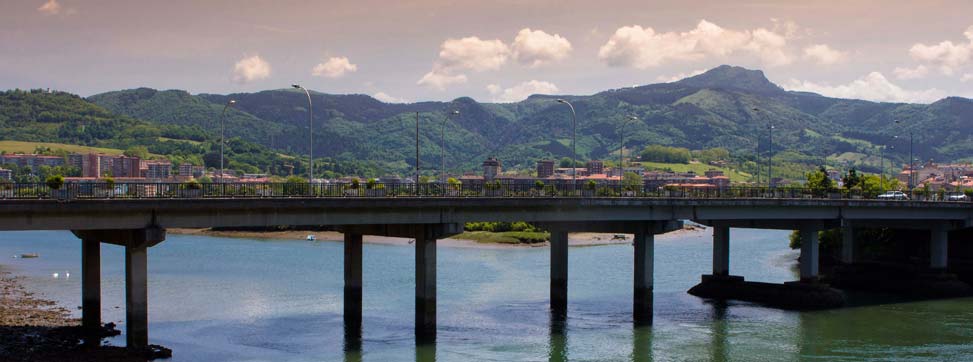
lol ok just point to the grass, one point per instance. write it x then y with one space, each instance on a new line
29 147
508 237
699 169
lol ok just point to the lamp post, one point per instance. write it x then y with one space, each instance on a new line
770 155
621 146
912 166
223 136
574 145
310 129
443 147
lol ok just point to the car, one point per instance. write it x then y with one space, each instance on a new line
894 195
958 197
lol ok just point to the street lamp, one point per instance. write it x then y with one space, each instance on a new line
770 156
912 166
621 145
310 129
574 145
443 147
223 136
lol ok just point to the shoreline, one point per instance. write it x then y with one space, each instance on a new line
581 239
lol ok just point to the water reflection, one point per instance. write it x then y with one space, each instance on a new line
642 344
557 350
718 345
353 340
426 352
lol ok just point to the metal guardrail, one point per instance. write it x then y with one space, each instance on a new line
83 191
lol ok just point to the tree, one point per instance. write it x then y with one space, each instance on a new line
852 179
137 151
818 181
632 181
665 154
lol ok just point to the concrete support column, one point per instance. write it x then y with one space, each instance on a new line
721 250
559 274
847 244
425 288
938 254
644 267
809 254
353 291
90 284
136 296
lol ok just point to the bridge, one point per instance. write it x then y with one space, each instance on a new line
136 216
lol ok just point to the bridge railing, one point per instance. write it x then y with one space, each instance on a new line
103 190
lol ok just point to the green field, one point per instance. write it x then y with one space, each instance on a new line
698 168
507 237
29 147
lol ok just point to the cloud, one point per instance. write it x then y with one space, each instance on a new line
382 96
334 67
911 73
824 54
51 7
250 69
458 55
535 47
680 76
873 87
473 54
521 91
440 79
947 55
968 77
638 47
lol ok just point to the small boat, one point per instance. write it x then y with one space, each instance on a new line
29 256
310 237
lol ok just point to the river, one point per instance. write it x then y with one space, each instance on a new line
225 299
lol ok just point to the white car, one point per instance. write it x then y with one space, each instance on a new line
958 197
894 195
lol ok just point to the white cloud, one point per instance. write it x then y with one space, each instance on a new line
250 69
947 55
873 87
334 67
473 54
535 47
968 77
440 79
384 97
680 76
458 55
911 73
521 91
825 55
51 7
634 46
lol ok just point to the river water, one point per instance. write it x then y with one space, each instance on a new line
222 299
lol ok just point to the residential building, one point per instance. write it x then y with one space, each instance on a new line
595 167
32 161
545 168
76 160
124 166
95 164
158 170
6 174
491 168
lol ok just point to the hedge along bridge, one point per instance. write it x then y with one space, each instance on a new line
136 216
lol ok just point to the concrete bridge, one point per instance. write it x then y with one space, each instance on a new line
140 223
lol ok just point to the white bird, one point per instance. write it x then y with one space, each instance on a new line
67 274
55 275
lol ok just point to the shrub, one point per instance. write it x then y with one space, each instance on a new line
193 185
55 182
590 185
110 181
355 183
539 184
369 184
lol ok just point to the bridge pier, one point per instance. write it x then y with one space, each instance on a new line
353 291
938 245
809 253
559 274
425 288
644 244
90 284
136 243
847 244
721 250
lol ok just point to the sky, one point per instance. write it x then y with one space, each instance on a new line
492 51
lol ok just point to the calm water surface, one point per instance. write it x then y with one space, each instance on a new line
220 299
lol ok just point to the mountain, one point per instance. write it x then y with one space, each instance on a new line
729 107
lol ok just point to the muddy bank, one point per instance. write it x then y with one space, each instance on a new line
574 239
35 329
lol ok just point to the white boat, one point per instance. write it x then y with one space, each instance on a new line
310 237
